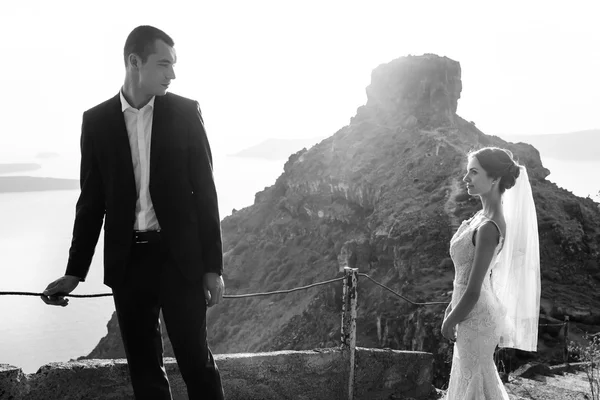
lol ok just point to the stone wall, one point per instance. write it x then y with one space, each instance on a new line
298 375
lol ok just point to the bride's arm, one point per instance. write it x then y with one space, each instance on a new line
448 309
485 245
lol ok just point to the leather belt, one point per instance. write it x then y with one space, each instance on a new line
146 237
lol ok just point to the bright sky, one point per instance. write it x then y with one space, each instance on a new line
293 69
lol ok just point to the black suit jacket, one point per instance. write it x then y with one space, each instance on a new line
182 190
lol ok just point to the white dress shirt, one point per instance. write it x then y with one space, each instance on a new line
139 130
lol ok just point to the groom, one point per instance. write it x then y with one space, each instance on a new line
146 170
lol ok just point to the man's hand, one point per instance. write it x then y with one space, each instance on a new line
213 288
54 293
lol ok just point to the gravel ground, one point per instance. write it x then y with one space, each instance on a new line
566 386
570 386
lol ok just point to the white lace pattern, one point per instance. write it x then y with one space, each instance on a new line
473 375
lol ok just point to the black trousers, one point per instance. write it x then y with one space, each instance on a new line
153 282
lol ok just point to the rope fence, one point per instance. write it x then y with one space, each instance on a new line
349 307
240 296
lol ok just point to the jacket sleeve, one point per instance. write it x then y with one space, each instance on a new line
89 211
205 196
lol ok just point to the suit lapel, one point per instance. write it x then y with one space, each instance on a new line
122 146
159 122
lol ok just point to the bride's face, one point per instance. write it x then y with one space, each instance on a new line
477 179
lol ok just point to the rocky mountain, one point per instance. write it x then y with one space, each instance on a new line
384 194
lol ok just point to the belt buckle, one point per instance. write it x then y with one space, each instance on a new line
137 238
138 234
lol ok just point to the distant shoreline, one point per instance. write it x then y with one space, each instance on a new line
276 149
19 184
18 167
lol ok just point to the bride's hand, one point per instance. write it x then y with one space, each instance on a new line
448 330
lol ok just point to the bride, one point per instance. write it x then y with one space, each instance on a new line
497 283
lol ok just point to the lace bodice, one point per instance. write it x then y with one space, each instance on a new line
462 250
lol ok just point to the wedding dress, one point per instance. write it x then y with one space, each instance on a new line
473 375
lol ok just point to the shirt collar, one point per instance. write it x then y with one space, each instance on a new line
125 104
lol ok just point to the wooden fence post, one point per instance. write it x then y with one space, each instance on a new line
350 293
566 348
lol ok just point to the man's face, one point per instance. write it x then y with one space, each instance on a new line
156 74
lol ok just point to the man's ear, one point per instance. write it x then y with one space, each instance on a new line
134 61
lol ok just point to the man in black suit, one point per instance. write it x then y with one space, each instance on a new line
146 169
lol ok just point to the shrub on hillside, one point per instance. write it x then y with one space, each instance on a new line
547 223
270 246
439 196
590 354
462 196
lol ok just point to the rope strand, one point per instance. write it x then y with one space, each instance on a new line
227 296
398 294
239 296
64 295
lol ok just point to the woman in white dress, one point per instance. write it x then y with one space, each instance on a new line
497 283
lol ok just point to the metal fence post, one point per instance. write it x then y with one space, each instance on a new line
350 293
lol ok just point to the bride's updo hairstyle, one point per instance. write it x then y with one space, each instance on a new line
498 163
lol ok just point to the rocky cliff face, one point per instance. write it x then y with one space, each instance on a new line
384 194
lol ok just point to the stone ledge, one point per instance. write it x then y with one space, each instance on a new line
298 375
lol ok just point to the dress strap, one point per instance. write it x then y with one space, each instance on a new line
480 224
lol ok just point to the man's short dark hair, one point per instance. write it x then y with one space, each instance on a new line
141 42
